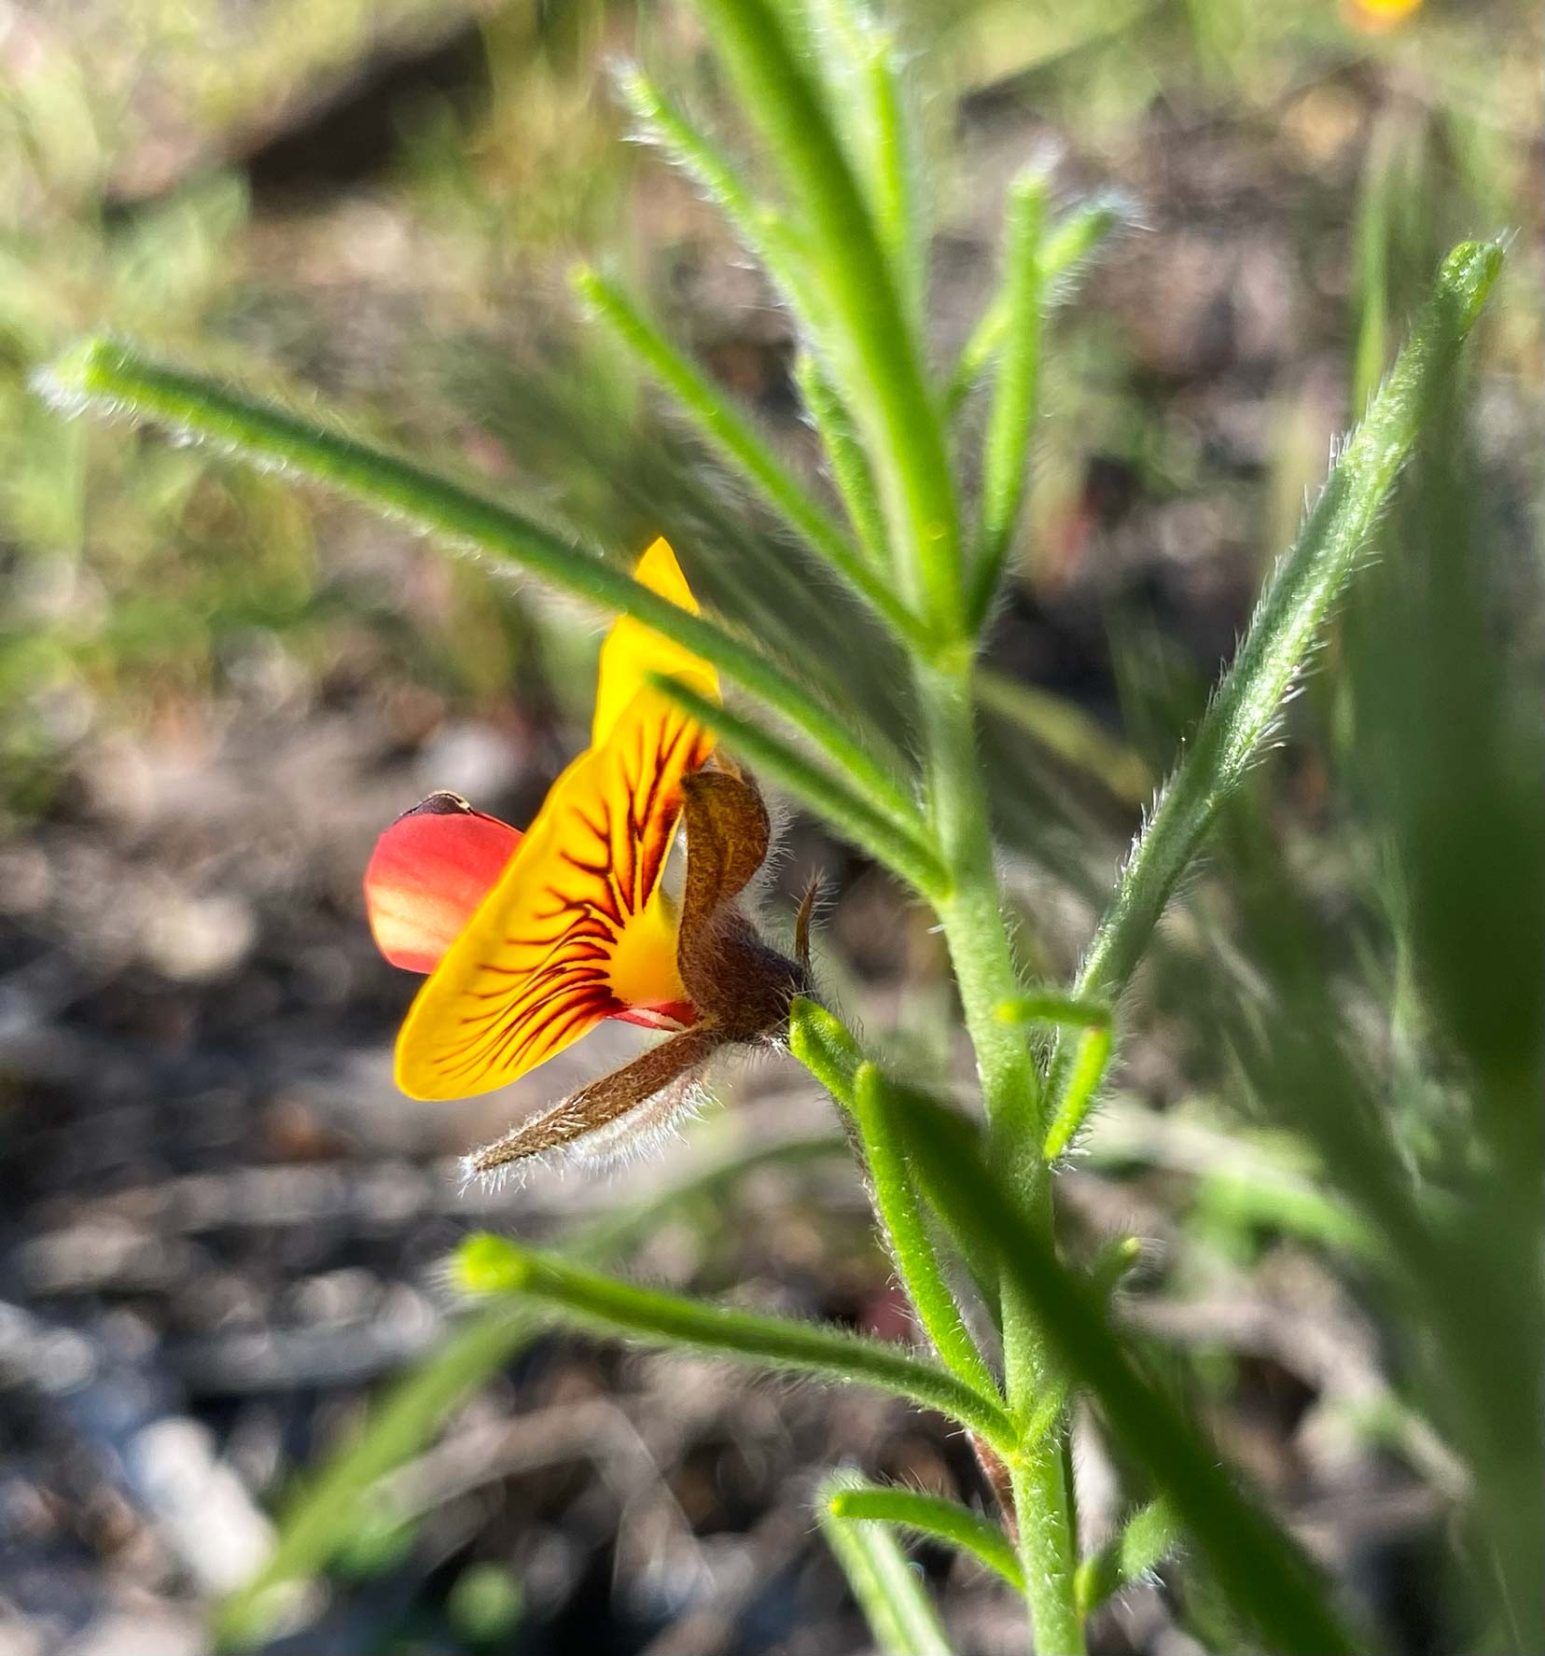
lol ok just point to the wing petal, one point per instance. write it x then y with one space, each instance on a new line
427 875
577 928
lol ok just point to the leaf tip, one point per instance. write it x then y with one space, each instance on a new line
1468 275
812 1028
868 1086
488 1264
583 280
77 377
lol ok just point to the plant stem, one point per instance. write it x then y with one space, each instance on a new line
974 929
1267 1575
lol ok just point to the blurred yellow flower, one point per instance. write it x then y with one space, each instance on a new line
1378 16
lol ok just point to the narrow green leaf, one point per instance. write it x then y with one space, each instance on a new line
1140 1546
1046 1416
849 465
932 1515
822 1043
976 1247
901 847
876 358
888 1588
763 231
768 236
1087 1070
1262 1569
725 429
1051 1006
1115 1261
868 106
903 1222
1297 598
1066 245
491 1265
113 379
1372 242
1011 422
325 1513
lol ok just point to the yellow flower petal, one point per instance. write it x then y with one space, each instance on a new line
577 927
633 651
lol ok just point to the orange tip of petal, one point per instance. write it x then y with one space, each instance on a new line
658 569
427 875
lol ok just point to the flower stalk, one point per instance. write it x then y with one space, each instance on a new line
976 933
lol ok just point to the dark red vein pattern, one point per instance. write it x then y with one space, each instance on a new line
533 971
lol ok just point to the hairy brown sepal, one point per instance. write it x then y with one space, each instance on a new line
603 1104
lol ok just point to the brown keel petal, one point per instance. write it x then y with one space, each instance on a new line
739 985
728 834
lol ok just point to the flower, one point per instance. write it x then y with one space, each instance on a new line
1379 16
530 940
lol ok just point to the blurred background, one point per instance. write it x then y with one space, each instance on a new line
238 1407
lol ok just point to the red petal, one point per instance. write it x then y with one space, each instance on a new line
427 875
670 1015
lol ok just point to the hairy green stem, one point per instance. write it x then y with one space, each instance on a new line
1298 596
975 930
1267 1575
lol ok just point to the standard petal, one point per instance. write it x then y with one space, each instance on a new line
633 651
576 930
427 875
